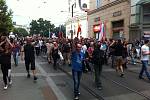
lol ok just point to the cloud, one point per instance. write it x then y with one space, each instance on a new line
25 10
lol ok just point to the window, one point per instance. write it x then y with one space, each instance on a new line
98 3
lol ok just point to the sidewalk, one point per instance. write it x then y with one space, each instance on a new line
24 88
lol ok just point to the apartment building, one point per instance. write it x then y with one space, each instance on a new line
140 19
115 14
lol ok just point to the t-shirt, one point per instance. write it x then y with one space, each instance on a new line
118 50
29 52
144 49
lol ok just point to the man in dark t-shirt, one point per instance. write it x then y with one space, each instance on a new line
29 57
118 56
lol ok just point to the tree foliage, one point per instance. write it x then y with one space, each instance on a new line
6 24
41 26
61 28
20 32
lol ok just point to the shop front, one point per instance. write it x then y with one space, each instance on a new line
116 18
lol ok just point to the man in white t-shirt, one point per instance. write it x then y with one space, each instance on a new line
144 58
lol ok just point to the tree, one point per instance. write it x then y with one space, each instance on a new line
20 32
41 26
59 29
6 24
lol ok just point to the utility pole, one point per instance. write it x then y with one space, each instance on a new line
49 33
72 20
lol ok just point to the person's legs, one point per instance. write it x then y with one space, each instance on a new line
98 70
79 74
9 73
17 54
142 70
145 69
5 74
33 69
27 63
68 58
76 78
14 57
65 57
112 61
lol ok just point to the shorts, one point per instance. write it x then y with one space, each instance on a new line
119 60
28 62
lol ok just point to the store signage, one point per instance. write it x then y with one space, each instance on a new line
147 34
96 28
97 19
118 13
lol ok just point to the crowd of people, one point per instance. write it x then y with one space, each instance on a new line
84 55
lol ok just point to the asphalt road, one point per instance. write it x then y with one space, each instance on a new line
58 85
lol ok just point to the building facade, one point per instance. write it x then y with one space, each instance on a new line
77 18
140 19
73 24
115 14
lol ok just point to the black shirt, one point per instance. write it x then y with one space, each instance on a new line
118 49
29 52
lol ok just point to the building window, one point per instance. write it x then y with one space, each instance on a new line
146 13
98 3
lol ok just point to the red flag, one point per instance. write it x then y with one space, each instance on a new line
79 30
60 35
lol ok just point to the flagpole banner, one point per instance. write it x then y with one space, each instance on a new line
102 32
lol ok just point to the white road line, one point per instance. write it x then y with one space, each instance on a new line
51 83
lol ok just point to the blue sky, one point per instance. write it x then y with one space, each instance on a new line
26 10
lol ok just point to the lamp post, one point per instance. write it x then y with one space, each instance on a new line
71 31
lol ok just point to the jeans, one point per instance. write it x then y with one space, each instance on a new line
98 71
15 56
76 78
144 69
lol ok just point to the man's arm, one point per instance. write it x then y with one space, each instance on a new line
145 52
22 52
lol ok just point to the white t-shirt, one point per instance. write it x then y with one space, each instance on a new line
84 49
144 49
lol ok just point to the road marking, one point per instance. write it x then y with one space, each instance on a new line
51 83
38 74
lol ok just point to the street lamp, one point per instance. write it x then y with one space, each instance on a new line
71 31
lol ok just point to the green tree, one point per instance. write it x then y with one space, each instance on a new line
20 32
61 28
41 26
6 24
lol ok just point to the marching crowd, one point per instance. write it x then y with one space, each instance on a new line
83 55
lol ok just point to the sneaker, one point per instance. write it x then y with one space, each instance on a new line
79 93
28 76
99 88
140 77
35 78
122 75
5 87
76 98
69 65
10 83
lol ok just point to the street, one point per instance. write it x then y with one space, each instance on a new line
58 85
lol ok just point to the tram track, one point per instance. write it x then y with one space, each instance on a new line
126 87
93 93
100 97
